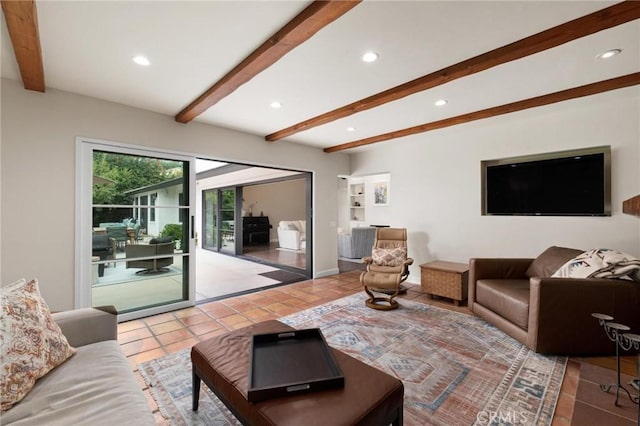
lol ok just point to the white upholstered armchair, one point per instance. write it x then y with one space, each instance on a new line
292 234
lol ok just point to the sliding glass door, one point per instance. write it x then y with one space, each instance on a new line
136 229
219 220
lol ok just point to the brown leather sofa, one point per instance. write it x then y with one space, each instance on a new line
550 315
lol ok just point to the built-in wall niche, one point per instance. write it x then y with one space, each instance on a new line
356 202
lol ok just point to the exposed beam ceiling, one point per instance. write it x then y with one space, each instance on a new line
564 95
308 22
603 19
22 23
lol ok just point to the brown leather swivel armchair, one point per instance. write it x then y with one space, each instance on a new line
387 268
550 315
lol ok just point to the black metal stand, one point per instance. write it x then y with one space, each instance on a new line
617 333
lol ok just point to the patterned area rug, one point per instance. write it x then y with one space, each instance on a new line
457 369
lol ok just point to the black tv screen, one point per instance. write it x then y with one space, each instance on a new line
568 183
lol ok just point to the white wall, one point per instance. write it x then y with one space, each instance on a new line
38 176
435 181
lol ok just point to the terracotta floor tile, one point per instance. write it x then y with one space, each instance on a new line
243 307
564 406
166 327
196 318
134 360
174 336
183 344
213 333
586 415
130 325
256 313
277 307
296 303
560 421
570 384
141 345
240 325
217 309
157 319
130 336
187 312
573 368
232 319
205 327
310 297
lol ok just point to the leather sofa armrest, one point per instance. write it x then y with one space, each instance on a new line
560 311
494 268
88 325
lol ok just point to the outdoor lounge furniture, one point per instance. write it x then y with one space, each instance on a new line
103 247
156 247
118 233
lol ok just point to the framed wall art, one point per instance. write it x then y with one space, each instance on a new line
381 193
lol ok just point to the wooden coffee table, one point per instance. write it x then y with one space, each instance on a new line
369 396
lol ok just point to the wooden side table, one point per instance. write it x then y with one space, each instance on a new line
445 279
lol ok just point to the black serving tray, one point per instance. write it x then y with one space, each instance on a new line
290 362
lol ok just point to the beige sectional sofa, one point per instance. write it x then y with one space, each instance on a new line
96 386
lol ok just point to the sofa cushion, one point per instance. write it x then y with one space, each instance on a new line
95 387
507 298
31 343
550 260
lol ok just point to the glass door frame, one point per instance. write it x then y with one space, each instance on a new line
217 227
85 148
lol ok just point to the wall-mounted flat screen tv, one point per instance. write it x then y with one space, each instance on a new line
567 183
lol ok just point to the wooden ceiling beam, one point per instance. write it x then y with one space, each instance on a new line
612 16
564 95
22 22
301 28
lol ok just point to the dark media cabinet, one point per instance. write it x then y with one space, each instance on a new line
255 230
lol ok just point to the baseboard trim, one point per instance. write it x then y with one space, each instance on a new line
326 273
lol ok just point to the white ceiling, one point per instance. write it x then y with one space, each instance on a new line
87 48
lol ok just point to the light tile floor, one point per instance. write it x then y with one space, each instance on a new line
156 336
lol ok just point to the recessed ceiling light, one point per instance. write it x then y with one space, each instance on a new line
440 102
275 105
351 129
141 60
370 57
609 53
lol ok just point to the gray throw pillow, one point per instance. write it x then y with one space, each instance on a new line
550 260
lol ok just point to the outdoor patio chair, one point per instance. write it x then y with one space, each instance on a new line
156 246
118 233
